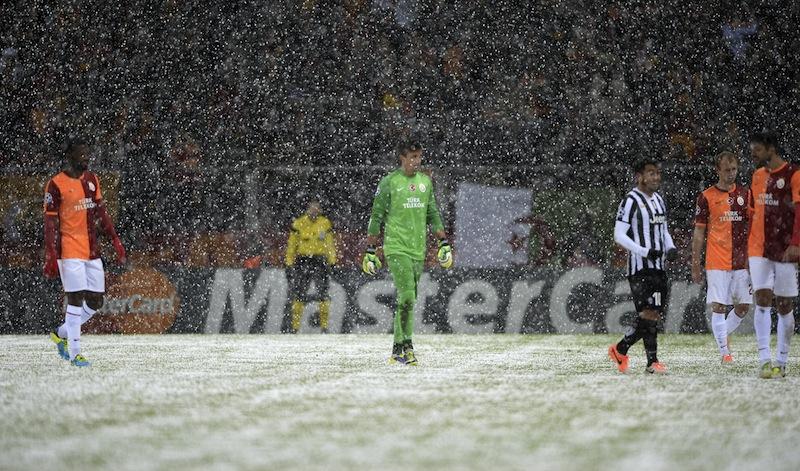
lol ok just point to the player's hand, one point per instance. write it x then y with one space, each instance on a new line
792 254
697 274
371 263
672 254
50 269
654 254
122 256
445 254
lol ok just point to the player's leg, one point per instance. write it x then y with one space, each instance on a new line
75 282
322 280
619 352
297 287
785 293
403 275
408 329
742 299
762 274
719 296
95 289
657 288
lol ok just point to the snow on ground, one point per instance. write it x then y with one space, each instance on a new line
332 402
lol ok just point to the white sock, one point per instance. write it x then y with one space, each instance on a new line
733 321
720 331
73 321
785 332
762 321
62 330
87 313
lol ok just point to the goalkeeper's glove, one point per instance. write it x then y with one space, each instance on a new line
445 254
371 263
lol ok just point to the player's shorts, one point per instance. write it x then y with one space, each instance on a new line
728 287
304 271
82 275
649 289
779 277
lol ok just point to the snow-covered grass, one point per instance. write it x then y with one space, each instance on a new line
332 402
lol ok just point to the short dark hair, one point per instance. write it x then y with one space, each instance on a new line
725 155
766 138
639 165
408 145
71 143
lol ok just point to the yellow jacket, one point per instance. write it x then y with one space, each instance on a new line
309 237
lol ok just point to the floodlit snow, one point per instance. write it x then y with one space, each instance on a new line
332 402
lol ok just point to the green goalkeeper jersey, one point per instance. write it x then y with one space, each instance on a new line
404 206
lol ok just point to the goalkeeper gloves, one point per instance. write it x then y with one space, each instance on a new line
445 254
371 263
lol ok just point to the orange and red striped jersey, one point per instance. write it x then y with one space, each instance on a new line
724 215
773 195
74 201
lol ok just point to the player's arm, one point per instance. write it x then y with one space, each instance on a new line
699 237
52 203
370 263
107 224
330 244
291 244
623 224
792 253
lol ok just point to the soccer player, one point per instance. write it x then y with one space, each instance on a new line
721 222
310 253
641 229
73 203
405 205
773 248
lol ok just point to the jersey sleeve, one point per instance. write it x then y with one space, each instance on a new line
380 206
52 198
701 211
433 216
626 210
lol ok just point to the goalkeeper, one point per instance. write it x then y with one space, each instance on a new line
405 205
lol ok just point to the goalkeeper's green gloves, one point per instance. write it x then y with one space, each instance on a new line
445 254
371 263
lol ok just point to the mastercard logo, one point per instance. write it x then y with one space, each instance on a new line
140 301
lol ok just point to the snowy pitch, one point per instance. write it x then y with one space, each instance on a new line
332 402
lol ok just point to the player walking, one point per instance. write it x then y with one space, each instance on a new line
73 203
641 229
773 247
405 205
721 222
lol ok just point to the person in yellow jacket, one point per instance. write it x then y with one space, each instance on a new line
310 253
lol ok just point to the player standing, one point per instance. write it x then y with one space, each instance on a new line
641 229
721 222
73 203
773 247
310 254
405 205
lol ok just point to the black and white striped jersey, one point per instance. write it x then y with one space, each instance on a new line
645 218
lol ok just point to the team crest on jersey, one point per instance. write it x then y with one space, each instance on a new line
740 201
90 185
412 187
780 183
48 198
422 187
730 201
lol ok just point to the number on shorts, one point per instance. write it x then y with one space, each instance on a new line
657 298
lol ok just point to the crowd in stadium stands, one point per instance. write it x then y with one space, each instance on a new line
186 99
